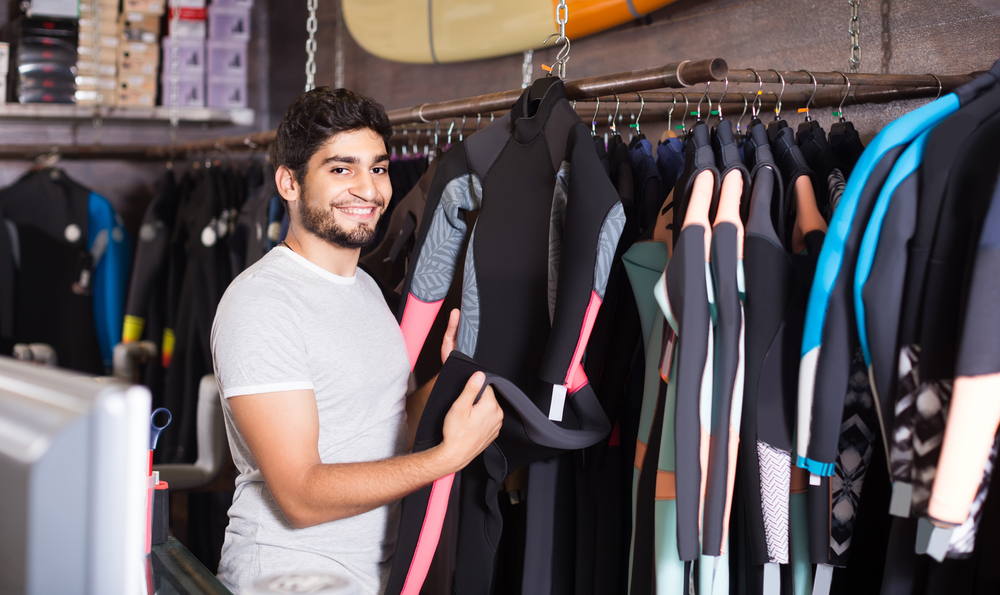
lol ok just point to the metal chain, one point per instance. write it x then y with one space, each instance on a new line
311 25
562 16
338 76
855 32
175 74
527 68
96 120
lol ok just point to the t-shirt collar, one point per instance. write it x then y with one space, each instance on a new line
308 264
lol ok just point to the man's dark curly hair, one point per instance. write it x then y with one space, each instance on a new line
317 115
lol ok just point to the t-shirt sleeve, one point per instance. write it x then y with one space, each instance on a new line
256 346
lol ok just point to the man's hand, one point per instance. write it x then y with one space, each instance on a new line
450 335
469 428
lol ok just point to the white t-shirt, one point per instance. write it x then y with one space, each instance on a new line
288 324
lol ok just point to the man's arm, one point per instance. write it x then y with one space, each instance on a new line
282 431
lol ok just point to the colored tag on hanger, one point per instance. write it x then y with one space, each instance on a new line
546 68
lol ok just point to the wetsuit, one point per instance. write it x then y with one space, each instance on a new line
71 256
528 306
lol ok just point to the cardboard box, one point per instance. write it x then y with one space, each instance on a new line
109 43
226 58
140 21
149 6
138 66
228 24
107 7
4 58
190 57
136 50
137 82
190 92
92 83
227 92
3 89
86 68
191 22
85 53
84 97
137 98
106 25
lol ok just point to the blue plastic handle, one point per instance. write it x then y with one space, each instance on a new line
154 430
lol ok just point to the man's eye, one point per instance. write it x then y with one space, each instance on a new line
380 170
339 170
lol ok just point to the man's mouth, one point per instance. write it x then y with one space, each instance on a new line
359 212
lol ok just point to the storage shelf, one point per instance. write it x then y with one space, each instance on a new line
69 112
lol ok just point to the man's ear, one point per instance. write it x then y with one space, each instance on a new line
288 186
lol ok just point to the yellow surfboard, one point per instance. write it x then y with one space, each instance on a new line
438 31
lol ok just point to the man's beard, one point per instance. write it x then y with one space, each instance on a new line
323 224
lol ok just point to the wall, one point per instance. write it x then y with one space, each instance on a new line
920 36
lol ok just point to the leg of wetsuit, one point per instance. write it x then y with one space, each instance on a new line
538 551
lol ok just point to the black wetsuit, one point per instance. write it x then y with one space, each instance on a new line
527 306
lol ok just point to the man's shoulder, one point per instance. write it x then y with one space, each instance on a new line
266 283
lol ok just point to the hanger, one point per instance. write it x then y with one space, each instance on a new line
842 126
757 101
639 136
593 123
703 96
721 99
739 133
669 132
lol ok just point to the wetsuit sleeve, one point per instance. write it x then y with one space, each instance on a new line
6 283
826 350
150 260
975 407
594 222
436 253
109 243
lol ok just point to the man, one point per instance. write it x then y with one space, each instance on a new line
313 368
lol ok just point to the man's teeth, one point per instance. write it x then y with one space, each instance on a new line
357 211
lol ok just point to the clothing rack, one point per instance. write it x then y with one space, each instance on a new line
634 90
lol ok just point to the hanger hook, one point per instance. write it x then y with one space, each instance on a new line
719 105
479 120
614 121
940 86
840 108
740 121
811 97
777 107
757 101
670 114
642 106
593 123
461 131
687 111
703 96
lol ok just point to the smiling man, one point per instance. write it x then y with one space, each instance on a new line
313 368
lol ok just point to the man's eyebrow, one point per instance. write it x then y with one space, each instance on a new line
352 160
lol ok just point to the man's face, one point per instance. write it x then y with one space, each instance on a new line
346 189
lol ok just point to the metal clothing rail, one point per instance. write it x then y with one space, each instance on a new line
630 89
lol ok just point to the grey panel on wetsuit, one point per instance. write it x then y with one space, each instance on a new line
434 270
883 294
729 321
560 194
607 245
688 296
468 325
